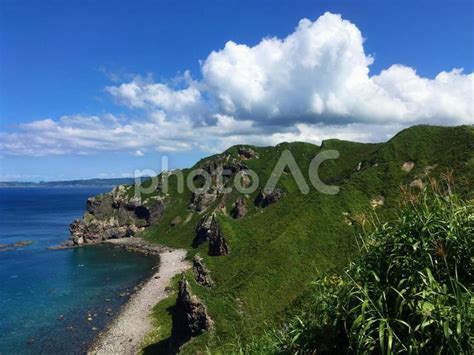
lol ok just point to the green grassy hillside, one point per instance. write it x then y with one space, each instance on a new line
276 251
410 290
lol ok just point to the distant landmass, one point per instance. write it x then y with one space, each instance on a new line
70 183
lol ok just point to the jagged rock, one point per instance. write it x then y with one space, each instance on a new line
218 246
204 229
218 165
208 229
247 153
201 273
134 212
264 199
113 215
97 231
125 213
202 201
156 210
221 170
189 318
234 167
100 206
246 180
239 210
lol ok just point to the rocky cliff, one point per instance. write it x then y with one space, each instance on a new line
208 230
114 215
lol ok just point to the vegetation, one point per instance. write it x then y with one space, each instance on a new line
276 252
410 291
154 342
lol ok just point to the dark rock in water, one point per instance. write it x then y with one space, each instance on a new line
201 273
22 243
189 318
265 199
114 215
16 245
239 210
208 229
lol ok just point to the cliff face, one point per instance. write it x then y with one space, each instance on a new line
208 229
114 215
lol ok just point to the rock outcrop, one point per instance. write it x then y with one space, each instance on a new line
201 201
16 245
97 231
201 273
189 317
222 170
247 153
240 209
207 229
114 215
265 199
224 165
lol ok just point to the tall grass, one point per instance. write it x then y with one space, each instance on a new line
410 291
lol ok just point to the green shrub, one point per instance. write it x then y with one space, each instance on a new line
410 291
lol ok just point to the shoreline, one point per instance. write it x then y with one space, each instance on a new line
126 332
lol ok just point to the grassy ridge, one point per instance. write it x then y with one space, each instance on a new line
277 251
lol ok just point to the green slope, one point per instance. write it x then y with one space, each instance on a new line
278 250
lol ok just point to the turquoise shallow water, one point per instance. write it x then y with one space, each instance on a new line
45 295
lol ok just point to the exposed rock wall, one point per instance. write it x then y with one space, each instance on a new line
114 215
201 273
247 153
265 199
207 229
201 201
240 209
221 170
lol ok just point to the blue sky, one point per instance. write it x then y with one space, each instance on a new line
69 69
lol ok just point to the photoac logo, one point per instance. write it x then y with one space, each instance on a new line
222 177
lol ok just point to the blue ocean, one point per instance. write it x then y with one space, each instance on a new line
56 301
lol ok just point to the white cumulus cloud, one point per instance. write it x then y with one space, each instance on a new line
311 85
320 73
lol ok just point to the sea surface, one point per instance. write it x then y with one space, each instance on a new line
56 301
